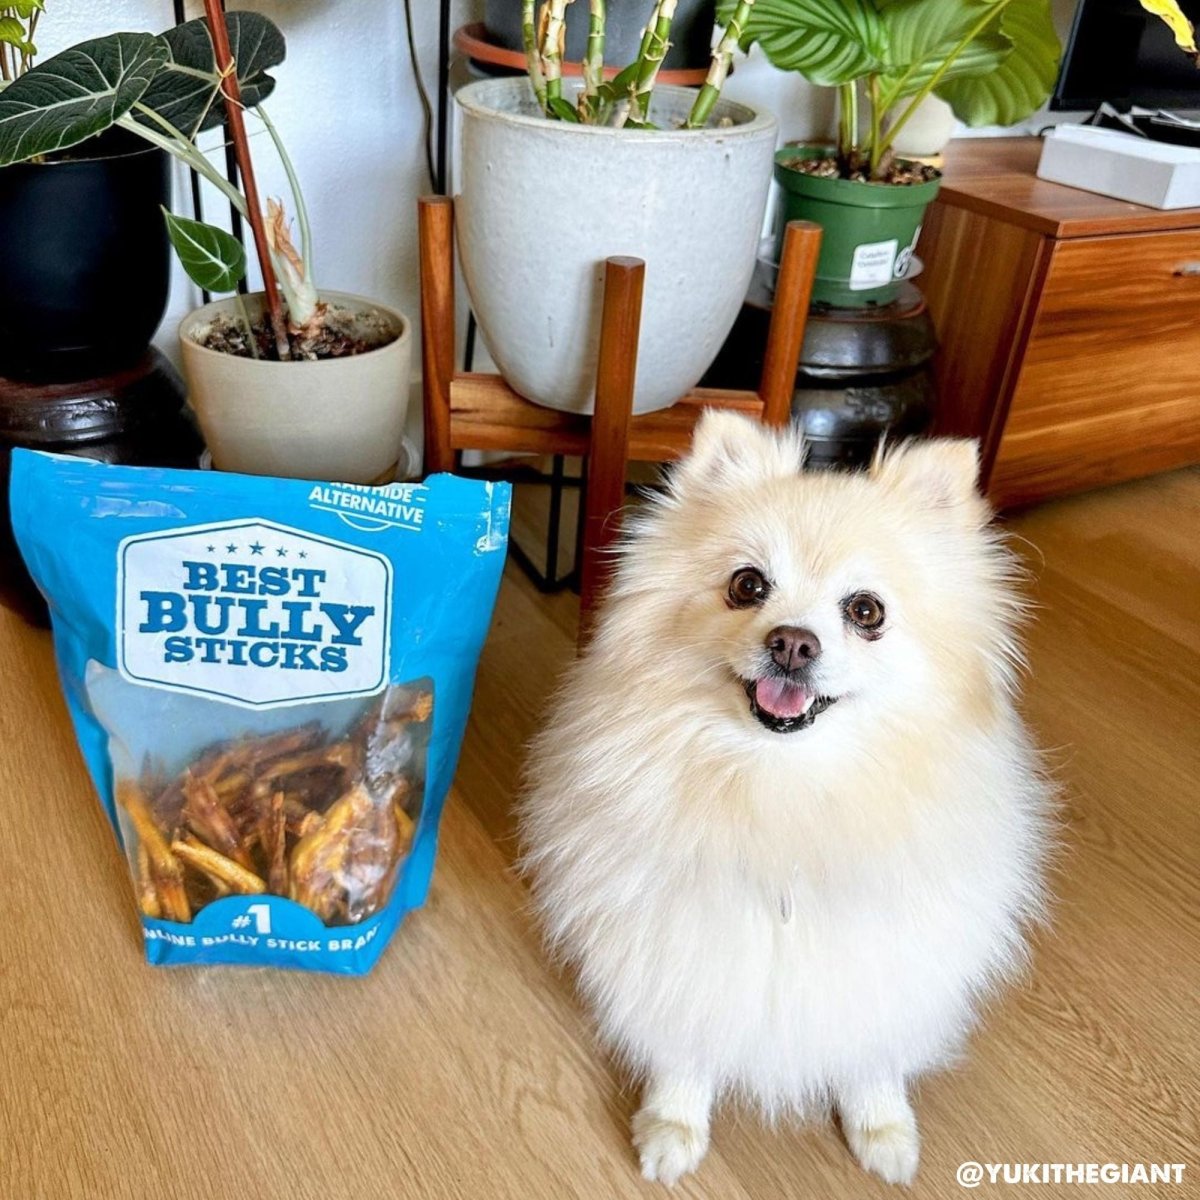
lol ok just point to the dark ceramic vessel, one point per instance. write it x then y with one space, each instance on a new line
86 258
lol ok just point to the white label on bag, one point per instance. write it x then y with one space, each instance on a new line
252 612
872 265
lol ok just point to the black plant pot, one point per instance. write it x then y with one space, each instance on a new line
691 30
86 258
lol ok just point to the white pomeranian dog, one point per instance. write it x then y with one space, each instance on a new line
784 821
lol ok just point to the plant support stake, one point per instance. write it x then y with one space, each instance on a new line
223 58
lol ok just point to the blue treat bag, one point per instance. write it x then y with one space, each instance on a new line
269 680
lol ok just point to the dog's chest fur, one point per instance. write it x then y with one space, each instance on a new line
791 931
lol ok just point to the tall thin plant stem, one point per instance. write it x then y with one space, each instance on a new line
298 205
533 63
654 50
593 59
848 125
27 56
876 118
718 68
226 68
175 142
553 38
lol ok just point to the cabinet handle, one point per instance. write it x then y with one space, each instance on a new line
1187 268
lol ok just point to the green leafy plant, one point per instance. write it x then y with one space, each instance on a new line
18 24
993 61
623 100
166 89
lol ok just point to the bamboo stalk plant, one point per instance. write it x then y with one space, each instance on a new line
622 101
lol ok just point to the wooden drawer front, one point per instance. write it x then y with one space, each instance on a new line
1110 385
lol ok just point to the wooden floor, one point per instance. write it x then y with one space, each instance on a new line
1098 1058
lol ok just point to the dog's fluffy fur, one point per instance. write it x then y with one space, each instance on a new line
799 912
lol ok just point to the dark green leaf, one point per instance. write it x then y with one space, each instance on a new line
827 41
1023 80
76 94
562 109
211 257
189 102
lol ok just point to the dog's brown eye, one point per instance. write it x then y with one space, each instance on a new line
747 587
864 610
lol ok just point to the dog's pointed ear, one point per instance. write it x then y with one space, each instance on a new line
730 450
937 473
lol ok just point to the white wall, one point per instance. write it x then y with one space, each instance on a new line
348 112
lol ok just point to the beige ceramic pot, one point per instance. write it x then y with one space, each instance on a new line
340 419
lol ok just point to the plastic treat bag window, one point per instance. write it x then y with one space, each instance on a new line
270 681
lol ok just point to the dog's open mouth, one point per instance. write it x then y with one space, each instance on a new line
782 705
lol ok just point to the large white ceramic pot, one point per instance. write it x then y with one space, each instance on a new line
544 203
339 419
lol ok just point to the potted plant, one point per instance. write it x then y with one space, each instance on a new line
86 260
993 61
556 177
290 381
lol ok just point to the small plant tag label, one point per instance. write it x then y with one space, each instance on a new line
254 613
873 264
905 258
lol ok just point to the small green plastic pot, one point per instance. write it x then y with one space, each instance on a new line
870 230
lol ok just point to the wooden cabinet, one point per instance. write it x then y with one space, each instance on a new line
1069 325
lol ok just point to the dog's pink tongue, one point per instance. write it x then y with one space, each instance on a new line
780 698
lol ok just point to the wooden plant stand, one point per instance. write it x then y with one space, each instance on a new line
474 411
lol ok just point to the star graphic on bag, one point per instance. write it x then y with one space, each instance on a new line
256 548
231 547
281 552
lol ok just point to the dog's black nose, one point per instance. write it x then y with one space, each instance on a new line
791 647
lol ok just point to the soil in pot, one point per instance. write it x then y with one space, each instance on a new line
901 173
341 334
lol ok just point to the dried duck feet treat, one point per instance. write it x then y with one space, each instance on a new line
270 682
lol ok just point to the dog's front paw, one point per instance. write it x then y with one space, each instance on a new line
668 1149
891 1150
881 1129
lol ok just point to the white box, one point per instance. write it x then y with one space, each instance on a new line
1122 165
